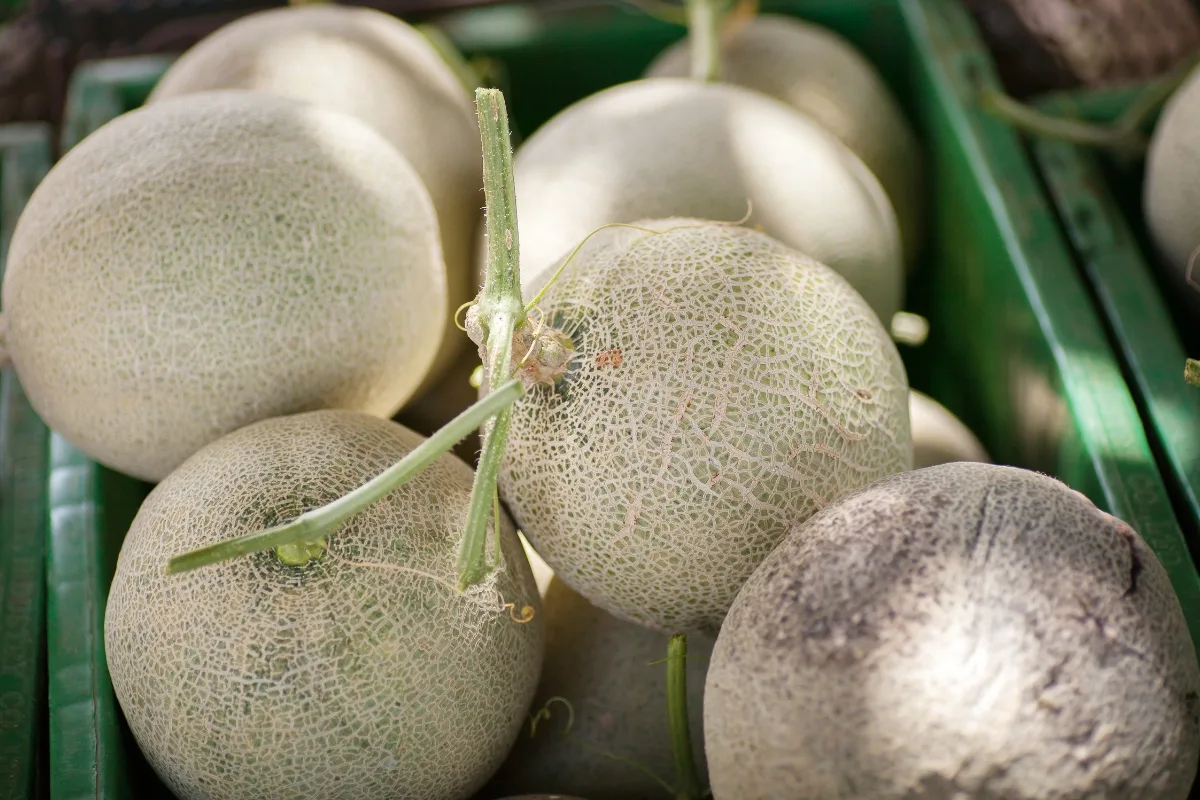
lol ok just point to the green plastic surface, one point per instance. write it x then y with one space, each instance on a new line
25 155
1016 346
1099 204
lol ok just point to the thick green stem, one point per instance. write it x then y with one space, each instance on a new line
1029 120
313 526
704 20
687 778
500 311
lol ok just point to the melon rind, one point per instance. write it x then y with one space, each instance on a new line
964 630
202 263
364 675
381 70
724 387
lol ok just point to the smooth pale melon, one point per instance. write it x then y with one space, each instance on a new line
1171 192
206 262
818 72
362 674
381 70
669 147
938 436
723 387
606 668
965 630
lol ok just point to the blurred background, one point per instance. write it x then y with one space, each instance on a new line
1038 45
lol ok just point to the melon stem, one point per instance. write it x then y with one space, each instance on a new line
687 778
311 527
703 27
1030 120
500 311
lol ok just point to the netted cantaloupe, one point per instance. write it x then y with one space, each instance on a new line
938 436
209 261
722 386
1171 193
613 742
818 72
381 70
354 670
960 631
668 147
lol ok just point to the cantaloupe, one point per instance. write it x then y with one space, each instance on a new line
722 387
938 436
669 147
1171 193
614 676
209 261
818 72
381 70
356 670
960 631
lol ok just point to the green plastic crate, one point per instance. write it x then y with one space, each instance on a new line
1016 347
25 155
1099 203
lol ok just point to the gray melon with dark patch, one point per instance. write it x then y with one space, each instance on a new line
363 674
605 668
961 631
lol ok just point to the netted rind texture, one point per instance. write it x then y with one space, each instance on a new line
362 675
377 68
1171 194
668 147
965 630
818 72
938 436
206 262
614 676
724 387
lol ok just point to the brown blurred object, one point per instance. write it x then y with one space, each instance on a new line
1048 45
40 48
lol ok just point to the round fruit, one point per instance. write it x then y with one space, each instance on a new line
614 676
966 630
350 670
671 147
203 263
938 436
722 387
821 74
379 69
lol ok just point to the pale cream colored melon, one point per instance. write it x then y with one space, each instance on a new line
381 70
206 262
614 675
938 436
818 72
1171 193
668 147
960 631
724 386
362 674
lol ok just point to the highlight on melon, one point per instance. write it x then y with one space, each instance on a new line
965 630
816 71
599 720
719 386
205 262
383 71
346 666
674 147
938 436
